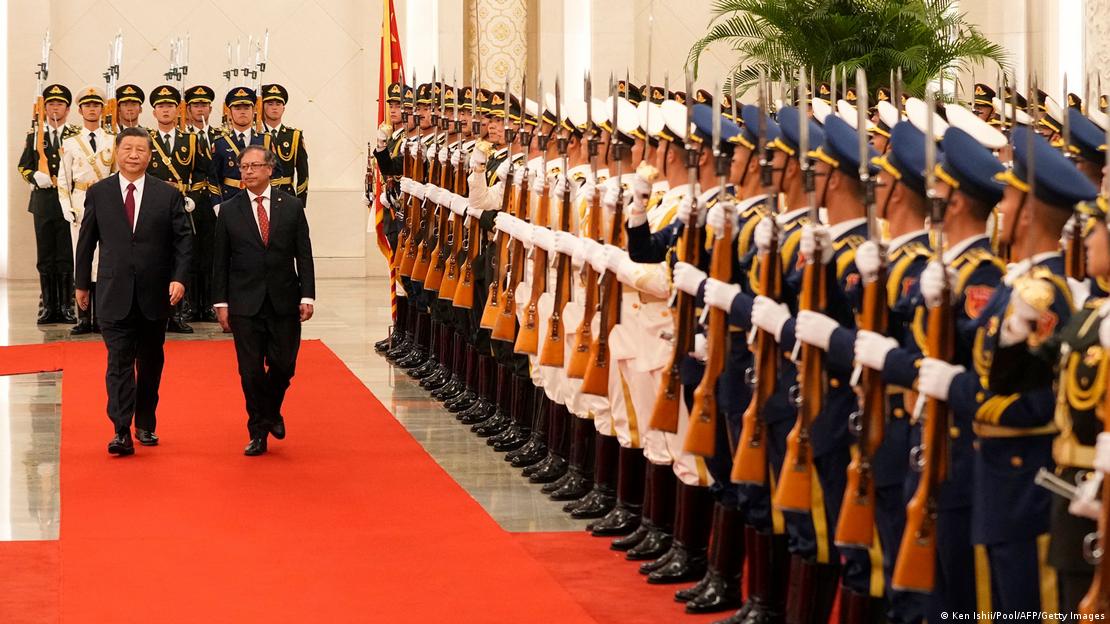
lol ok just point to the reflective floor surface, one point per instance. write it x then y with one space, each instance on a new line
351 314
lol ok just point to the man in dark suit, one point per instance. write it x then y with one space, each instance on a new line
145 251
264 287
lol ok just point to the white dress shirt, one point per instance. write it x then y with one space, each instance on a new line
123 182
254 213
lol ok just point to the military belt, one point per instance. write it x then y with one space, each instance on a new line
987 430
233 182
82 186
285 180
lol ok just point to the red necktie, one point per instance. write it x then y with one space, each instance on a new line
263 223
129 206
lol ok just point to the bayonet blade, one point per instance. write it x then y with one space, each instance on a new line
718 93
803 115
930 144
861 124
1066 121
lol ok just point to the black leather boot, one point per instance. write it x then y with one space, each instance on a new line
552 467
441 373
857 608
721 589
384 344
431 349
660 520
522 414
578 480
470 393
624 517
603 497
66 303
484 407
688 558
500 419
769 578
418 351
456 370
811 591
625 542
47 292
535 449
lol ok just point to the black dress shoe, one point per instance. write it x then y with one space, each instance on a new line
424 369
256 447
448 390
574 487
178 326
84 326
624 544
146 438
651 566
596 504
512 432
493 425
717 594
532 452
621 520
461 401
121 445
480 412
278 429
683 566
653 546
689 593
550 472
383 345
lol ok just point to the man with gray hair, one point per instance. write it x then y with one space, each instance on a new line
264 288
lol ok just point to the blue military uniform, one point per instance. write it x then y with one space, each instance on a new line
224 180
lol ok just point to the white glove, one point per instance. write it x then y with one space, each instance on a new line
431 193
190 205
382 139
559 187
934 378
522 231
613 257
764 230
405 185
688 278
587 191
586 252
538 181
628 271
1102 452
1080 290
871 349
504 222
1087 503
478 159
815 329
770 315
503 170
444 153
543 238
473 213
456 158
641 189
720 294
70 216
430 153
609 200
566 244
597 257
216 209
459 205
1014 270
419 191
519 175
1019 322
701 353
812 236
867 261
42 180
686 206
719 214
932 282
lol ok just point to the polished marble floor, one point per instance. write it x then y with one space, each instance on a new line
350 315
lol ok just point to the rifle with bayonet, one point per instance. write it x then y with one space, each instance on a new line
701 436
439 242
38 115
583 336
553 352
464 292
261 57
1075 256
418 170
750 462
528 338
856 524
595 379
504 328
179 68
664 415
796 481
501 240
915 568
115 56
454 234
428 222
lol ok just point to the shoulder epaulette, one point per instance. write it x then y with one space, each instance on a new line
1061 283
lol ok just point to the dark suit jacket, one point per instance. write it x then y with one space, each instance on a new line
133 265
245 271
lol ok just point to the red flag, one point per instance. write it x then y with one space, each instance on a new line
391 70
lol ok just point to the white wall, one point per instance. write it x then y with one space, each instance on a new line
324 51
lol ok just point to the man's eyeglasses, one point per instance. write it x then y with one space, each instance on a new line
252 166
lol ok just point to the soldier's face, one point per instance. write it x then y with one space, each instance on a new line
1097 244
424 112
56 110
465 116
199 112
496 130
242 115
394 114
984 112
273 110
1008 212
883 189
164 112
91 111
133 155
129 112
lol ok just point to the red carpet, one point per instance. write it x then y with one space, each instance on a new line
609 587
348 520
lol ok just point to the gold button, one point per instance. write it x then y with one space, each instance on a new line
980 397
1016 461
954 432
899 412
835 383
975 445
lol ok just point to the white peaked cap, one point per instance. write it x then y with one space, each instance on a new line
964 119
917 112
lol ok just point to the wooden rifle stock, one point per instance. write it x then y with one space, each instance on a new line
583 337
664 416
701 436
595 379
553 352
493 299
408 257
749 465
464 293
428 226
440 252
402 236
856 524
454 242
504 327
794 488
528 338
1097 598
1075 255
915 568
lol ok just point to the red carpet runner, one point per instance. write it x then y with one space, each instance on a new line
348 520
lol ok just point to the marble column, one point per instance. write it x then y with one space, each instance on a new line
497 41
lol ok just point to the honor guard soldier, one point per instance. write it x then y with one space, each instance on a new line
38 165
983 102
87 158
223 172
181 159
198 108
285 141
129 103
1009 395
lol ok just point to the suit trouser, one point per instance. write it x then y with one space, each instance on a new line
52 243
266 346
135 359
